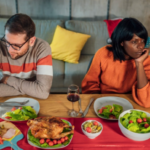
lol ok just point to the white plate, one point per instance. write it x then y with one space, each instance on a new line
110 100
32 102
49 147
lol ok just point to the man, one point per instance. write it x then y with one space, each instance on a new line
25 60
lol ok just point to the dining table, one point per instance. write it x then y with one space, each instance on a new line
58 105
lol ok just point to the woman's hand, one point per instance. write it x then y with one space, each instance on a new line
143 56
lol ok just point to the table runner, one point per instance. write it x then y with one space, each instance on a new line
110 138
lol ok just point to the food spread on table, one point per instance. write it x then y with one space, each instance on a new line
92 127
53 132
136 121
110 111
50 132
20 114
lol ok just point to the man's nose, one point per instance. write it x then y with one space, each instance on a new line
10 49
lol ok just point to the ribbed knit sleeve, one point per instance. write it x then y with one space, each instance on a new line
91 81
142 96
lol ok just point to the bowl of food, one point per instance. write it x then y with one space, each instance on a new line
92 128
135 124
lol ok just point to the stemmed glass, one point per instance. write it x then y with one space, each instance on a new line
73 96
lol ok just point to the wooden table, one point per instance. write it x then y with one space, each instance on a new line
58 105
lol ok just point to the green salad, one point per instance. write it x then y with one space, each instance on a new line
22 113
110 111
136 121
49 143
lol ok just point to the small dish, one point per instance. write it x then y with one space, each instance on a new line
91 135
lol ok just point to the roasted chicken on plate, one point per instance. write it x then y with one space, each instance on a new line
49 128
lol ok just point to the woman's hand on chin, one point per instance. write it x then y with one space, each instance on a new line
143 56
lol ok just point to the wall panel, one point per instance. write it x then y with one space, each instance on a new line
89 9
54 9
7 8
139 9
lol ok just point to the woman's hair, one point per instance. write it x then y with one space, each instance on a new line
124 32
21 23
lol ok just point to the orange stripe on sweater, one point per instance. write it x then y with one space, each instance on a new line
45 61
17 69
26 67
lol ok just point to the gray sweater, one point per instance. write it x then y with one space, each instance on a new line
30 74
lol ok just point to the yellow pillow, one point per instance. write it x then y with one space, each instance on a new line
67 45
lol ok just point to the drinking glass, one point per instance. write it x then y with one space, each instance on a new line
73 96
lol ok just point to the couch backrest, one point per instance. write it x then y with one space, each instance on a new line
97 30
45 28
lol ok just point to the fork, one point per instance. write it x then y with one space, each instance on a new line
21 103
80 111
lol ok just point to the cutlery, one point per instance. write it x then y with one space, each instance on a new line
87 108
12 106
14 102
80 111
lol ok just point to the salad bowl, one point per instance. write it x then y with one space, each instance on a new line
131 128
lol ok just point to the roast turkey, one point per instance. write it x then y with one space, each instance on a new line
49 128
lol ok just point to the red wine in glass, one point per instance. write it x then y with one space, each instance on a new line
72 97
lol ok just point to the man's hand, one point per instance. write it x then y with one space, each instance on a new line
4 80
143 56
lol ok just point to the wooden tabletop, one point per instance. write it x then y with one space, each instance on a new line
58 105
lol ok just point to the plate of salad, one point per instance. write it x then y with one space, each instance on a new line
50 143
110 107
22 113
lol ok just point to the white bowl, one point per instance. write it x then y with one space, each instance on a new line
132 135
91 135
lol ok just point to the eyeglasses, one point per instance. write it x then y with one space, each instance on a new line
14 46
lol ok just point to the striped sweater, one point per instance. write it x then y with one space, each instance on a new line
30 74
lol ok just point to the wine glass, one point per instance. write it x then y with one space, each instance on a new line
73 96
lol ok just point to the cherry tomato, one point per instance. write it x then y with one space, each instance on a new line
144 119
13 109
146 125
48 140
88 129
42 141
55 142
130 121
50 143
59 141
62 140
100 111
139 120
111 110
95 123
112 117
66 138
7 117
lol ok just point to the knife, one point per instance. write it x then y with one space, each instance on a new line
87 108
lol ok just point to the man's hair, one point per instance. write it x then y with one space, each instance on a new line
124 32
21 23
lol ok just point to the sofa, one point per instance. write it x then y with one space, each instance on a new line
65 73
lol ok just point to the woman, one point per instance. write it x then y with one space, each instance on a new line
123 66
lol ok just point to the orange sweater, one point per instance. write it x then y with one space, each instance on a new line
108 76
